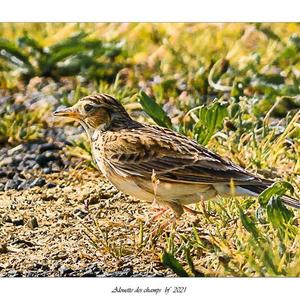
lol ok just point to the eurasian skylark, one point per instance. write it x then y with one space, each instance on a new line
154 163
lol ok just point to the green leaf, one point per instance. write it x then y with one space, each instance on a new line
249 224
58 56
171 262
190 261
295 39
154 110
269 33
278 214
210 121
68 42
277 188
11 53
30 42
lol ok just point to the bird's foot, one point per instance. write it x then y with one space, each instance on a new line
163 226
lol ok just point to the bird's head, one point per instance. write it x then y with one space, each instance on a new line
97 112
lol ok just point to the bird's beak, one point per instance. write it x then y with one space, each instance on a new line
69 112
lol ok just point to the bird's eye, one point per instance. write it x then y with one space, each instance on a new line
88 107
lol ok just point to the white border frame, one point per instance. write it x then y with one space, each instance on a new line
150 11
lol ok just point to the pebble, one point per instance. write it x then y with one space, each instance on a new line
50 185
47 170
89 273
24 185
7 219
38 266
126 272
64 271
32 223
18 222
2 174
3 248
40 155
80 213
44 158
6 161
14 273
10 174
40 181
49 146
11 184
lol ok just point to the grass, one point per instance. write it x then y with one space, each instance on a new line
21 126
232 87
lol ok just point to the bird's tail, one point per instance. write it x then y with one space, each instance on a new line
257 189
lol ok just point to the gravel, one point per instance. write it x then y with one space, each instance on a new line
21 165
41 216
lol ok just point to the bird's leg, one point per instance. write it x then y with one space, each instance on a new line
164 225
191 211
160 212
178 211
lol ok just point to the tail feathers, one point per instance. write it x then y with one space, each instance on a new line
257 189
291 201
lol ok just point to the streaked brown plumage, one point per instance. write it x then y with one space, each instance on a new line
150 162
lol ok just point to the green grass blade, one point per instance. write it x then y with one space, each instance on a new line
171 262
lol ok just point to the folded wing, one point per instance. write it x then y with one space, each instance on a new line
172 157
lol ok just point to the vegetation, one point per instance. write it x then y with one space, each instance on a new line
232 87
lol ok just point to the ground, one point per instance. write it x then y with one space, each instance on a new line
49 231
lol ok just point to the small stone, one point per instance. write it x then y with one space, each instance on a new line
49 146
2 187
14 273
7 219
6 161
40 181
32 223
29 164
24 185
55 168
64 271
47 170
95 269
44 158
10 175
41 160
29 156
17 159
50 185
126 272
38 266
16 177
3 174
11 184
80 213
3 248
18 222
22 243
15 149
89 273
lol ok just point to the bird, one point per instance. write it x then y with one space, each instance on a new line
153 163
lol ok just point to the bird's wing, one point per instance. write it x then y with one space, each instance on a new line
170 156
